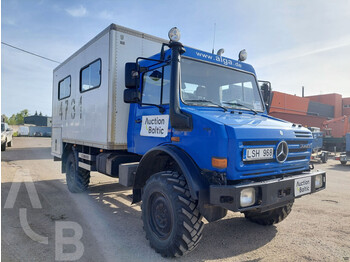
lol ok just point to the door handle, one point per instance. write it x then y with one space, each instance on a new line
138 121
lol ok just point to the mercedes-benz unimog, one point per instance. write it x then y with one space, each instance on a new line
186 130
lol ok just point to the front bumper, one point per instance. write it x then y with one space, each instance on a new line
270 194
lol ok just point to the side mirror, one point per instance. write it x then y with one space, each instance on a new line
132 96
131 75
266 91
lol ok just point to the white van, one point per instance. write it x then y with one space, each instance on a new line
23 131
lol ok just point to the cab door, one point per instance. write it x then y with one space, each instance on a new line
151 125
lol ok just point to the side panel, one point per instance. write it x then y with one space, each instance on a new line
56 141
83 115
99 117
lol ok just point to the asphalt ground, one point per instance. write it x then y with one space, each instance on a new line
49 223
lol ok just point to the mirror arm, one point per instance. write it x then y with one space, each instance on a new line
161 109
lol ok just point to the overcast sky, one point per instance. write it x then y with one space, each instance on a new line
291 43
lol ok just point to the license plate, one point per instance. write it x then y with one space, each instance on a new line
302 186
251 154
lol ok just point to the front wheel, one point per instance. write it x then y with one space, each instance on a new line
9 144
343 162
270 217
170 216
3 147
77 179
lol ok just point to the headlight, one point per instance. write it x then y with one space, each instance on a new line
247 197
174 34
318 181
242 56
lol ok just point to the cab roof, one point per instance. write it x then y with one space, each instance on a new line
206 57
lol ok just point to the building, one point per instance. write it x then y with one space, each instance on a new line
38 120
309 110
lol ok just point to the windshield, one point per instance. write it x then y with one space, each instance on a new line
206 84
2 127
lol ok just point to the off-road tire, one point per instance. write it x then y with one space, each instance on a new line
9 144
343 162
3 147
271 217
171 218
77 179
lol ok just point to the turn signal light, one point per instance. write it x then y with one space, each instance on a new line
219 162
175 139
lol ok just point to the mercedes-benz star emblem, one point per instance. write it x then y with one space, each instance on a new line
282 151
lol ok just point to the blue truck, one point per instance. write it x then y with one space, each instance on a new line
344 157
186 130
317 144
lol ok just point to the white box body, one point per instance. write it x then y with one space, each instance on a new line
98 117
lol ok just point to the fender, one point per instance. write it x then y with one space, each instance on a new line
195 181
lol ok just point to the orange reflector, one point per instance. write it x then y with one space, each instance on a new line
101 150
219 162
175 139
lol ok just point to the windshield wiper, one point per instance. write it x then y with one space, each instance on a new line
238 104
206 101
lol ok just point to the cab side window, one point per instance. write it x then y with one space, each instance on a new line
156 86
152 85
64 88
90 76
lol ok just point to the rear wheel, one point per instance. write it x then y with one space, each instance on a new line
9 144
3 147
170 216
77 179
270 217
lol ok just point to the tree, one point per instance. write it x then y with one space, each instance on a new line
4 118
24 112
18 119
12 120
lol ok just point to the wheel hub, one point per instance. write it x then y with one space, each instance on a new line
160 215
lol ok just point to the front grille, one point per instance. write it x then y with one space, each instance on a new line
295 158
302 134
297 142
296 151
253 162
259 143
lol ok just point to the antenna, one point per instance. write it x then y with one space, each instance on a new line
214 38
